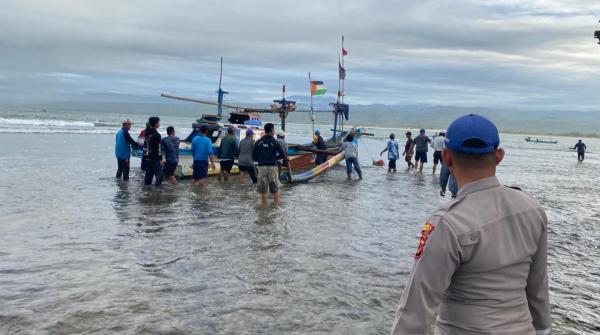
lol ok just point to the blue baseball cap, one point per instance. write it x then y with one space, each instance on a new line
317 132
481 132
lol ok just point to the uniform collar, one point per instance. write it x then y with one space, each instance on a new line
479 185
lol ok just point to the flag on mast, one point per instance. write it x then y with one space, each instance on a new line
342 72
344 52
317 88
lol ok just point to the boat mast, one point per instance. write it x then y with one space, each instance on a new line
220 92
312 113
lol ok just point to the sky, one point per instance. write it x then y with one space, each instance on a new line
537 54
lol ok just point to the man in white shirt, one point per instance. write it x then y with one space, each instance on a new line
438 146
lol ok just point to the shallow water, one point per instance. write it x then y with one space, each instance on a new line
83 253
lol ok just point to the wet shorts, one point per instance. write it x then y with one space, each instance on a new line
392 164
437 157
268 179
200 170
226 165
421 156
169 169
247 169
408 157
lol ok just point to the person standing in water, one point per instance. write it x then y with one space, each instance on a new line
392 149
421 142
202 151
227 151
320 144
154 156
438 145
284 145
123 144
266 152
245 161
581 149
170 147
351 155
408 150
481 261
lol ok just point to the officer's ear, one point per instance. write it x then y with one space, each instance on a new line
499 155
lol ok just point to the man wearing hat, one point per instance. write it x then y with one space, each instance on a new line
320 144
481 259
123 143
420 144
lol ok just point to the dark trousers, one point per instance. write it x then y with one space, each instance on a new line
153 170
123 168
581 156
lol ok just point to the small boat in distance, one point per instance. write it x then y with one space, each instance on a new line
539 140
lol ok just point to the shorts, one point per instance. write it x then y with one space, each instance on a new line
421 156
169 169
268 179
408 157
392 164
200 170
247 169
437 157
226 165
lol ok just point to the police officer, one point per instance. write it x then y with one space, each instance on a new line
482 257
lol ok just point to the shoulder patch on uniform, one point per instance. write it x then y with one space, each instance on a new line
425 232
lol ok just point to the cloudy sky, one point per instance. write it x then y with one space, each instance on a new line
497 53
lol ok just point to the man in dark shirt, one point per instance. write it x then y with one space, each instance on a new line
408 150
170 149
265 153
154 157
421 145
320 143
581 148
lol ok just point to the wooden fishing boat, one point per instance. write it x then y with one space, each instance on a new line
538 140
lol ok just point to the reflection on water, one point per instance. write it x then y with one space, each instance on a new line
83 253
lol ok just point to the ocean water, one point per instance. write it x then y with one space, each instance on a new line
82 253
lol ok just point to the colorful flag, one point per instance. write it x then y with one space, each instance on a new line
344 52
342 72
317 88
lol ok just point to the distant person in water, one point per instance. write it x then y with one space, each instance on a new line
227 151
393 150
351 155
123 144
421 142
408 150
320 144
581 149
202 151
245 161
153 156
284 145
438 145
170 149
266 152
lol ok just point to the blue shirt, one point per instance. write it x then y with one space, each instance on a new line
201 148
170 146
392 147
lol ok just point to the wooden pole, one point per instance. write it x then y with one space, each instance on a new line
312 113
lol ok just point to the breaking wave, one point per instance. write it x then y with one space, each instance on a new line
52 126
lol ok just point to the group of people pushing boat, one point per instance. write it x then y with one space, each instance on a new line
261 159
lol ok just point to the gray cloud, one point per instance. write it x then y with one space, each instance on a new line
500 53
